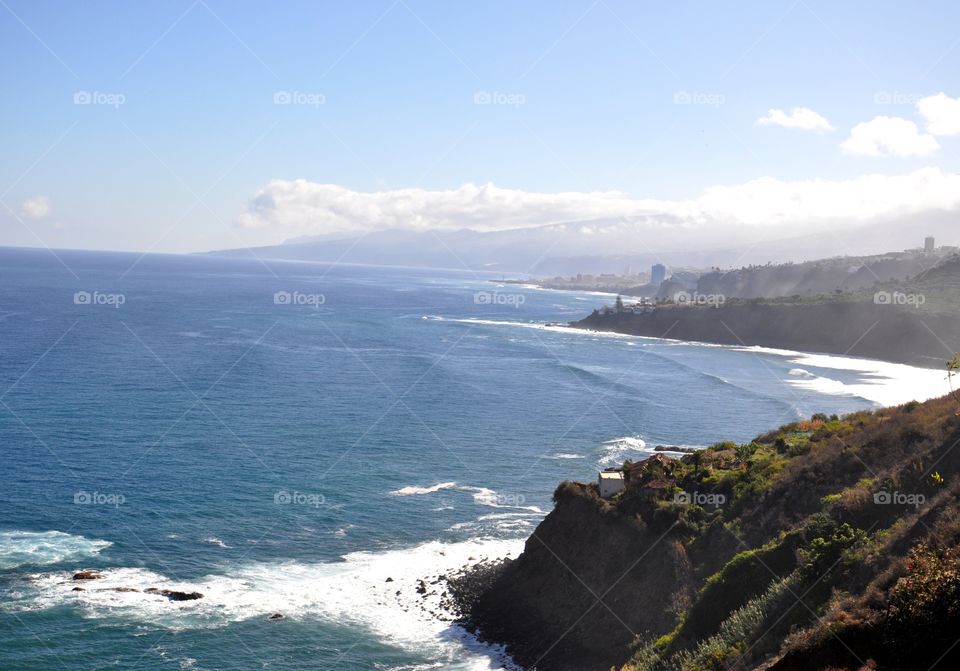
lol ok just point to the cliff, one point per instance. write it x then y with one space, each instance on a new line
885 332
915 322
832 543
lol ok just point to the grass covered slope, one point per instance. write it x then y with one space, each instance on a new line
832 543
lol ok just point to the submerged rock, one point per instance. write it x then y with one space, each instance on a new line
276 616
174 595
87 575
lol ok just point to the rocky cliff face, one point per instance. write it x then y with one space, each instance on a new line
832 543
884 332
589 581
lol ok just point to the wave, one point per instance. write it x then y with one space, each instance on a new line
882 382
565 455
354 592
414 490
615 452
32 548
799 372
487 497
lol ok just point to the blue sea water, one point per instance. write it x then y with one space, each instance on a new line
284 437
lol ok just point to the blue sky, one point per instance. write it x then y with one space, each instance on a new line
182 129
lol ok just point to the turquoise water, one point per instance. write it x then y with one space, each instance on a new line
184 429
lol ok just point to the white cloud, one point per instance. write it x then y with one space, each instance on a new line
942 114
888 136
308 208
35 208
802 118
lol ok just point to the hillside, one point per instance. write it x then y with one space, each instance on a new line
844 274
915 321
832 543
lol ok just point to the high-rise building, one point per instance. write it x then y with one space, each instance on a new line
929 244
658 273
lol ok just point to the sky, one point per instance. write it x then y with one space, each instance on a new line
192 125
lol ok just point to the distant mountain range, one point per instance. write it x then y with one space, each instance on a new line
607 245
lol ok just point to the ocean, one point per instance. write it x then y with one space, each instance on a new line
312 440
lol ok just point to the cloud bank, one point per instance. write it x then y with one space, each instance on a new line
300 207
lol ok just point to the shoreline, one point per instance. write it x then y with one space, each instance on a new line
864 330
882 382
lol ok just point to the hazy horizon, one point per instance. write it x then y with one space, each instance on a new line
203 126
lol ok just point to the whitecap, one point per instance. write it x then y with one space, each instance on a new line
414 490
32 548
354 592
615 452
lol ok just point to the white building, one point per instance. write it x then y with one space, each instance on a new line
610 483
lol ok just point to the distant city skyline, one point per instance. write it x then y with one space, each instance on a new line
191 126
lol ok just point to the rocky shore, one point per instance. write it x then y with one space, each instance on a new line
760 556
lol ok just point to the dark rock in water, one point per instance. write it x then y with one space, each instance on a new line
421 587
87 575
389 580
117 589
174 595
78 589
276 616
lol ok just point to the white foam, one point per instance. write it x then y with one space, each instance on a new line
565 455
615 452
353 592
799 372
215 541
414 490
487 497
32 548
555 328
881 382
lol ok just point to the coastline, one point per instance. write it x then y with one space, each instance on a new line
863 330
885 383
694 569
